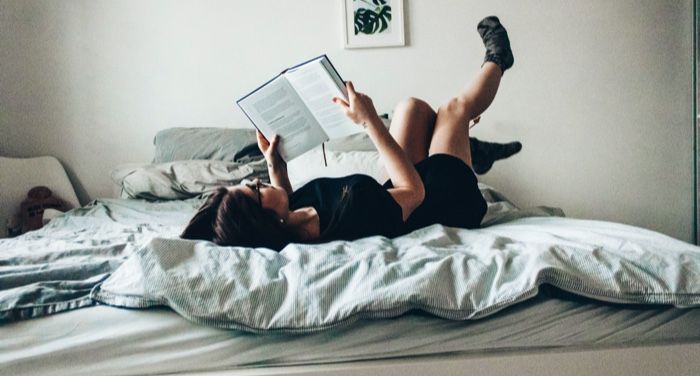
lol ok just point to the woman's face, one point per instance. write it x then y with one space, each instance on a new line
269 196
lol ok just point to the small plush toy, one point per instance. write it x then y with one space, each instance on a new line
32 208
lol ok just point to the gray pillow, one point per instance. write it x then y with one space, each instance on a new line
221 144
233 144
185 179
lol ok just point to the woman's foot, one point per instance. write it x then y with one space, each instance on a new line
496 41
485 153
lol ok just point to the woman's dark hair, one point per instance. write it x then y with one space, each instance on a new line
232 218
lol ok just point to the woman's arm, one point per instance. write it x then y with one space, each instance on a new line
276 166
408 188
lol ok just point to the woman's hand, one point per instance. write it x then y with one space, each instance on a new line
276 166
359 107
269 150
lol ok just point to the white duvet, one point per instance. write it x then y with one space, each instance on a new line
453 273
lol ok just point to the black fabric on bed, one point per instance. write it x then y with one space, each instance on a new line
452 196
350 207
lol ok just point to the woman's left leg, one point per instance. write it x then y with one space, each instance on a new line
412 127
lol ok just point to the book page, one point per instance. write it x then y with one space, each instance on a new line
315 86
276 109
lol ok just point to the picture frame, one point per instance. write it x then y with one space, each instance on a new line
373 23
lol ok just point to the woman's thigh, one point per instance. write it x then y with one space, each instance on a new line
451 133
412 127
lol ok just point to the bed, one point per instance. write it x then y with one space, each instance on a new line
58 317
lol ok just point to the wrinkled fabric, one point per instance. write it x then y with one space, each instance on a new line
210 143
452 273
187 179
53 269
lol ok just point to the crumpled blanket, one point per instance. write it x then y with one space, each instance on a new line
453 273
55 268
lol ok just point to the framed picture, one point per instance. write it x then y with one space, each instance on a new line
373 23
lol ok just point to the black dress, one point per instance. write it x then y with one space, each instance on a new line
452 196
350 207
356 206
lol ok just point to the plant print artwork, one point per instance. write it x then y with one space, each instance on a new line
372 16
373 23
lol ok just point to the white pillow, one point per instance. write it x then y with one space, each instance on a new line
119 173
310 166
355 142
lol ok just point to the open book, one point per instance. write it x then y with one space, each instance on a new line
297 105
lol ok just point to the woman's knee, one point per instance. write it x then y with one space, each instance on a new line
456 108
415 105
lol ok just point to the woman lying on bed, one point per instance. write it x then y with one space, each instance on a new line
426 155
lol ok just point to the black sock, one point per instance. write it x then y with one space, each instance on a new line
485 153
496 41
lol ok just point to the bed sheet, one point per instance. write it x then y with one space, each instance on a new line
126 341
118 341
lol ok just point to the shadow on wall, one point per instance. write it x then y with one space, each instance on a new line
77 185
37 79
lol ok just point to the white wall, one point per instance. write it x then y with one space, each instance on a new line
600 94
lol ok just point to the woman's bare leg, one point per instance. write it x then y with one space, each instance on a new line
451 133
412 127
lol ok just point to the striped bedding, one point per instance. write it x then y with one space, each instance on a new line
452 273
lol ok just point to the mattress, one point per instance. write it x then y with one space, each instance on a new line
112 340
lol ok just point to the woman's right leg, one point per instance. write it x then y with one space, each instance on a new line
451 134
